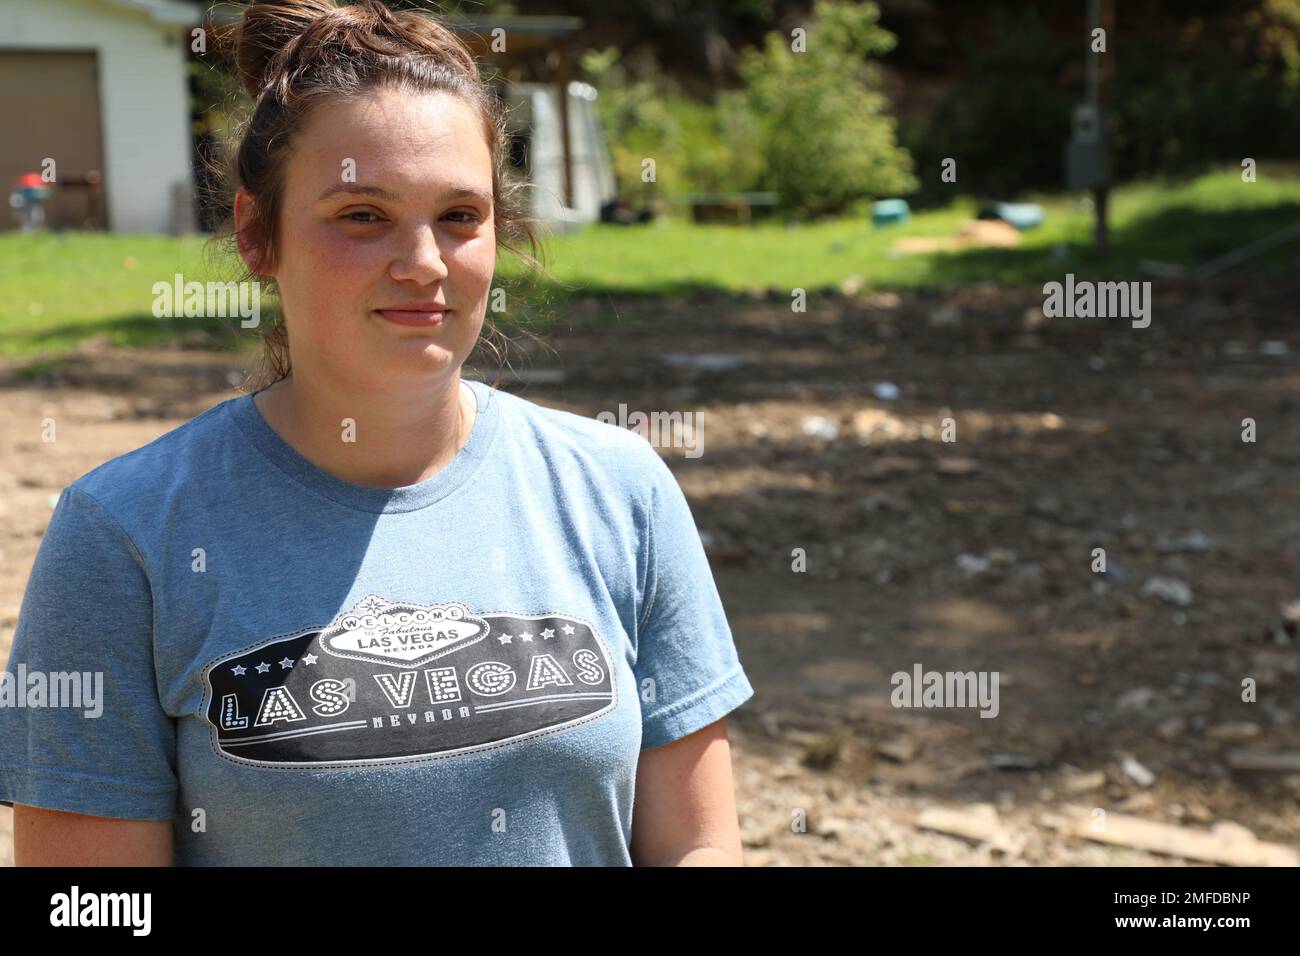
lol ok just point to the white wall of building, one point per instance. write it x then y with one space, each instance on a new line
143 90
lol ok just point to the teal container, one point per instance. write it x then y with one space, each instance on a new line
886 212
1022 215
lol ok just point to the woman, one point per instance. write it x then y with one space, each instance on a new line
372 613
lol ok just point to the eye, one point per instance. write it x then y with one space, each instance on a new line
471 216
347 217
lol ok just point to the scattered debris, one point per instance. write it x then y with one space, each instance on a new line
979 822
886 391
957 466
1194 541
1082 782
1139 698
1136 772
1280 761
1171 590
1136 802
819 426
704 361
1015 761
1227 843
538 376
1235 731
899 750
1171 728
944 316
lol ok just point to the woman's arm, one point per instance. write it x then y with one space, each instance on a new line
684 812
55 838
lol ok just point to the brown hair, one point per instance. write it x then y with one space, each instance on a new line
293 55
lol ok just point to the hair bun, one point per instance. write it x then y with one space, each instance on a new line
267 28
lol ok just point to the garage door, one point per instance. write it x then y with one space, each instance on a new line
49 107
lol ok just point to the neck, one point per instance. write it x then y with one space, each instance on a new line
386 444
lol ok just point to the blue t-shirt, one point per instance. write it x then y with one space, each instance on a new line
300 670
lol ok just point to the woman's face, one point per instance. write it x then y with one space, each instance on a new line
387 204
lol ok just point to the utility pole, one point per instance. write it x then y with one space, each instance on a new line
1087 163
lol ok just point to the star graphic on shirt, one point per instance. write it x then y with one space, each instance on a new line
568 629
239 670
525 636
286 663
505 638
548 634
309 658
263 668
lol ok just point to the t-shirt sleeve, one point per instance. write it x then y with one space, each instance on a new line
687 670
81 725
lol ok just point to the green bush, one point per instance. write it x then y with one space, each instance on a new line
825 137
690 141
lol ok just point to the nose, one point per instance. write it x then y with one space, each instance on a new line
420 259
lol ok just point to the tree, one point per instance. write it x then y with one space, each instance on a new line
826 138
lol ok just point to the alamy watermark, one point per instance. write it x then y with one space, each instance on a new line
922 688
662 429
75 689
75 908
208 299
1102 300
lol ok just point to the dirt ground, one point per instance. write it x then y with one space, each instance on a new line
975 554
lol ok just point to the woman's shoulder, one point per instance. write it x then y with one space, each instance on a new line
158 466
565 436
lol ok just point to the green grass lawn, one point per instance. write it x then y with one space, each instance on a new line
56 290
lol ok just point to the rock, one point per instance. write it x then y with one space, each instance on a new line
1033 318
973 564
1015 761
1235 731
1280 761
832 828
1191 542
957 466
1139 698
871 424
1171 590
703 361
945 316
1225 843
1171 728
1082 782
819 426
1139 774
1136 803
979 823
899 750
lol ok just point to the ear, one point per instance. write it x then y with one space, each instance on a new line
248 235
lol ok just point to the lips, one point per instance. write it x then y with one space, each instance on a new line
430 313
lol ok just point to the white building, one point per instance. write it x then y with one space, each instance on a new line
100 87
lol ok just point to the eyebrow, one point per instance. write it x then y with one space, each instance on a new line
357 189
